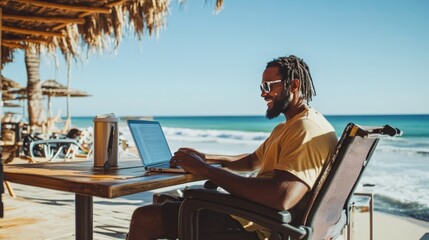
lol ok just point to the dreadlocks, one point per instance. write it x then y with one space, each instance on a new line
292 67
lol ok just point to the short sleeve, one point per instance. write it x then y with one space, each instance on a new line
304 152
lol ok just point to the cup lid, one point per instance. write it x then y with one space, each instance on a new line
108 117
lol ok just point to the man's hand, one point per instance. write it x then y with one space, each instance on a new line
190 160
191 150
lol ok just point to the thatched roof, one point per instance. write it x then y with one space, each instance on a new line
52 84
69 24
7 96
52 88
7 85
11 105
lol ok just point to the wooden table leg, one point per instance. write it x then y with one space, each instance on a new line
83 217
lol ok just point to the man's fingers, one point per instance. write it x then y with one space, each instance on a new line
184 150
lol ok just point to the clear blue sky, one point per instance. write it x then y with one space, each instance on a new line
366 57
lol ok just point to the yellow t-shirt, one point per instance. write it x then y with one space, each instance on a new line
299 146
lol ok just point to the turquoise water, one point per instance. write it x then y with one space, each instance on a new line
412 125
398 168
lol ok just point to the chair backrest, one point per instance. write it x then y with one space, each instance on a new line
340 176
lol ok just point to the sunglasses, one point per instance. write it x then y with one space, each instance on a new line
266 86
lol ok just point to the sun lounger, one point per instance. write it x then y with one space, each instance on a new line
74 143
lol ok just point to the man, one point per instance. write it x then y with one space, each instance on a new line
289 161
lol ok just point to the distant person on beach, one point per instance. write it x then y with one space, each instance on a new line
81 137
288 162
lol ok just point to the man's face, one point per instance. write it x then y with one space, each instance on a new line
277 98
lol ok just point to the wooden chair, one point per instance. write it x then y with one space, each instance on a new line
327 205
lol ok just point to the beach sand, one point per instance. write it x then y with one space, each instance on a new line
390 227
37 213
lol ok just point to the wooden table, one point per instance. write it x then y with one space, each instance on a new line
81 178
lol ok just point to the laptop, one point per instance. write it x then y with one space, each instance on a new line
152 146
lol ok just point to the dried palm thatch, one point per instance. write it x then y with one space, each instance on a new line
7 96
7 85
75 25
55 89
52 84
11 105
50 88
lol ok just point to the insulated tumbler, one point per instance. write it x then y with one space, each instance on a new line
106 141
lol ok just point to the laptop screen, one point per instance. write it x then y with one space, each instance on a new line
150 142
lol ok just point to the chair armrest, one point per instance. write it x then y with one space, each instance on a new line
241 203
198 199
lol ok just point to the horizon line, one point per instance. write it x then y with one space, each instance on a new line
257 115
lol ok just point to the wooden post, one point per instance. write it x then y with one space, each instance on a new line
1 115
67 124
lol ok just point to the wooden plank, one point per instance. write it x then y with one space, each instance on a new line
12 45
32 40
84 14
116 3
43 19
62 25
31 32
74 8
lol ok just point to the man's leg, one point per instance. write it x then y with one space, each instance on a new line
146 223
161 221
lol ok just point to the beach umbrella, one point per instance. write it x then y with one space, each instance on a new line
8 84
22 99
52 88
64 93
7 96
52 84
11 105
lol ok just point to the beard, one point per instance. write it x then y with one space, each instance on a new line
280 105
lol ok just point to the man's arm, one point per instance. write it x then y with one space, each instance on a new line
242 162
282 191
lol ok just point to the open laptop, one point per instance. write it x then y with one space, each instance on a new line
152 146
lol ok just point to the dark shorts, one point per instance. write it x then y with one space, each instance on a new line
213 225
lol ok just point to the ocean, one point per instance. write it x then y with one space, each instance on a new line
397 173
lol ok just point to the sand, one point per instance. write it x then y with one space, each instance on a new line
390 227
